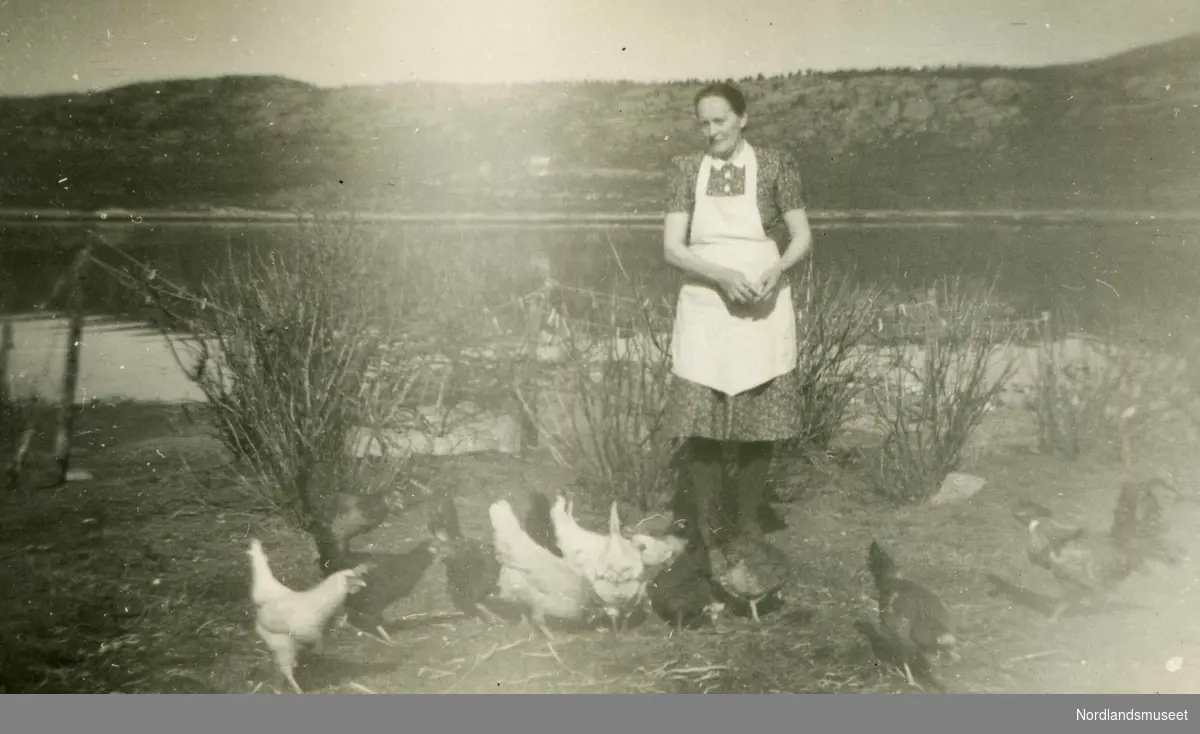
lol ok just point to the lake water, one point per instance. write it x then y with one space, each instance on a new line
1136 275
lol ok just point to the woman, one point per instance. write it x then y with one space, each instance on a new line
734 348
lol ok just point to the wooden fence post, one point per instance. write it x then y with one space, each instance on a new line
67 407
7 343
934 333
527 378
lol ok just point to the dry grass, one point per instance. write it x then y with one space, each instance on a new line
137 580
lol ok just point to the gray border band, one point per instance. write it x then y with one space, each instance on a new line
580 714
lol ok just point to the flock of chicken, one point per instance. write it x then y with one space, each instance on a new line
915 626
551 569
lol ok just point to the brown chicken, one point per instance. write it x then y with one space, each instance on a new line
914 624
1090 566
289 620
755 570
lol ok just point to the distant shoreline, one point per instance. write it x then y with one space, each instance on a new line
249 216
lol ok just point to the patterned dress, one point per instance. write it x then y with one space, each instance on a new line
769 412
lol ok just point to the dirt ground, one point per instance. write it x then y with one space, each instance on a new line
137 581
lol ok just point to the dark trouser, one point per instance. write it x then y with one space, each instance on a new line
719 508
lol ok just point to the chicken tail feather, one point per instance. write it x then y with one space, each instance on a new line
443 520
880 564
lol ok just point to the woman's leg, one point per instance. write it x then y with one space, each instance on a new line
706 474
754 463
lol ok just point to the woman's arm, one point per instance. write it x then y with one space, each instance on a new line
677 254
798 248
736 286
680 188
800 244
790 201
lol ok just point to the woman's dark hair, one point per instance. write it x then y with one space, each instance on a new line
727 92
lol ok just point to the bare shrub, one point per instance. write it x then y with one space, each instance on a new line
837 319
339 346
607 398
295 350
1090 396
934 386
457 297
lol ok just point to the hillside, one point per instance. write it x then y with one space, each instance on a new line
1121 132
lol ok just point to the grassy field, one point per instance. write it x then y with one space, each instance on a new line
137 581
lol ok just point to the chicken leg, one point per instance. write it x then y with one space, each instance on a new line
291 679
386 637
285 660
382 638
489 616
538 622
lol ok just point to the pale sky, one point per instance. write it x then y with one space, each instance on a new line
70 45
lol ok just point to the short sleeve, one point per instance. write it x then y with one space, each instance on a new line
788 191
679 187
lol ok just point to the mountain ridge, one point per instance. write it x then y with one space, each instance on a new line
1119 132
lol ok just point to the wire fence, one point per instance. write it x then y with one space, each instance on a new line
544 327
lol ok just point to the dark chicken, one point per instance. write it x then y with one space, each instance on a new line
890 652
358 514
472 571
390 577
683 591
914 624
1140 525
538 524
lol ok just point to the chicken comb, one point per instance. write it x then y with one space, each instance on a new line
614 521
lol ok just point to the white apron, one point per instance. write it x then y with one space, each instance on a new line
732 348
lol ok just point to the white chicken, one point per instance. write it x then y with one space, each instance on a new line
543 584
611 563
579 547
287 619
658 551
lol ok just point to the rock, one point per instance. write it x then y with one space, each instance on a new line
919 109
957 487
79 475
